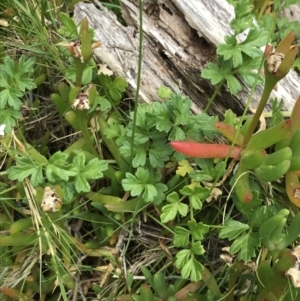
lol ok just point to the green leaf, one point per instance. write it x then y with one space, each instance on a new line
182 209
25 65
192 269
8 68
142 116
243 15
209 171
161 189
184 168
58 158
255 39
246 245
169 212
68 190
81 184
26 83
114 131
177 134
91 171
173 197
231 50
86 76
248 71
180 106
200 175
159 153
69 28
182 258
197 248
197 229
102 102
114 89
133 184
196 195
26 167
164 92
214 73
148 275
139 159
37 176
250 46
141 137
159 116
13 74
181 237
233 229
8 117
202 123
57 168
163 124
119 86
150 192
144 184
233 84
169 116
125 149
205 164
261 214
15 77
11 97
218 170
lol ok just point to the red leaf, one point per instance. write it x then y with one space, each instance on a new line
204 150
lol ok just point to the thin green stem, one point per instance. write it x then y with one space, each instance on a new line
217 90
83 125
262 9
264 98
86 136
267 87
8 189
115 108
138 84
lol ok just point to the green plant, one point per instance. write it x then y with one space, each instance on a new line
76 197
15 80
235 57
176 291
251 149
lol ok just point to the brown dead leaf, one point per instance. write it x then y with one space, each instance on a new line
190 288
215 193
294 272
3 23
104 70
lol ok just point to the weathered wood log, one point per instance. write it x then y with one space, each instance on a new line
180 37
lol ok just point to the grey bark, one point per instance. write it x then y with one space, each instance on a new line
180 38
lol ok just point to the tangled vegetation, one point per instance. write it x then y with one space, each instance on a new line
99 201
